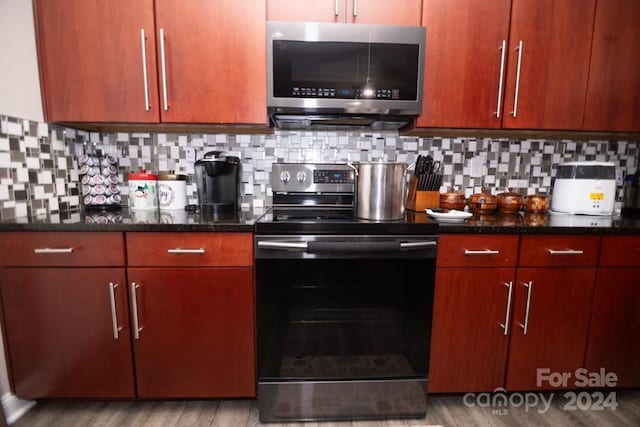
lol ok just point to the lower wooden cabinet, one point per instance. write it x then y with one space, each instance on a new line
195 334
67 332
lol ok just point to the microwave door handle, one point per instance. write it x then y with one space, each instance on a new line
337 7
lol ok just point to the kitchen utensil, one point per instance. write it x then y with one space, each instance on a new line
380 190
218 178
483 202
510 201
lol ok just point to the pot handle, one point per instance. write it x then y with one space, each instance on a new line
353 167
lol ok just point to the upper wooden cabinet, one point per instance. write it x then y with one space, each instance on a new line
152 61
92 59
539 83
399 12
613 95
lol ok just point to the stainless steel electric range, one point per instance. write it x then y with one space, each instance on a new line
344 305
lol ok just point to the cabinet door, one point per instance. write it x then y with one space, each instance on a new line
398 12
306 10
469 337
60 326
549 73
613 96
464 62
92 60
215 61
197 332
614 337
556 322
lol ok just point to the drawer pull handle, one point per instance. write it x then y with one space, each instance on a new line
180 251
505 326
114 315
53 250
134 303
525 326
482 252
565 252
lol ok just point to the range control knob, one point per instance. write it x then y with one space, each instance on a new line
285 176
301 177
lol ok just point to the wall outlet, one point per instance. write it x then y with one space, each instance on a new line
190 154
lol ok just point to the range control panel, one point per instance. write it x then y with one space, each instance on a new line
312 178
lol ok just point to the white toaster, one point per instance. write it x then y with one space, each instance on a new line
587 188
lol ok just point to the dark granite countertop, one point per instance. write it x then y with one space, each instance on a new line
243 221
126 220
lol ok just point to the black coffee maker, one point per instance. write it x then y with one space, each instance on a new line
218 177
631 206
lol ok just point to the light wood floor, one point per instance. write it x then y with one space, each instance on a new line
442 410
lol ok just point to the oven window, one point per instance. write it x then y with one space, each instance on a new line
341 69
324 319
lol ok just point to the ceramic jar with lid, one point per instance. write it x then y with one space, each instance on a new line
483 202
172 191
510 201
143 190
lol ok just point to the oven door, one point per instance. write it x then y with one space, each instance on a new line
344 326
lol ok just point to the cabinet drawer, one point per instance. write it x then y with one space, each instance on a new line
208 249
477 250
559 251
620 250
61 249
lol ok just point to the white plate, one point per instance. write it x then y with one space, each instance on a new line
450 216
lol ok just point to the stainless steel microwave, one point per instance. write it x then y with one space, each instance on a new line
334 74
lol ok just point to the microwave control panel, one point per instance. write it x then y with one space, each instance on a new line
343 93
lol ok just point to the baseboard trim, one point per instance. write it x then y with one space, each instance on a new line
14 408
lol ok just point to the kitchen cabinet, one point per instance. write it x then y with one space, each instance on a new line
614 335
613 94
152 61
472 304
65 315
193 311
539 83
401 12
552 307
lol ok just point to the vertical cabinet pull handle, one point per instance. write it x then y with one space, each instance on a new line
143 41
337 7
355 8
163 63
525 326
134 303
503 48
114 315
507 314
515 97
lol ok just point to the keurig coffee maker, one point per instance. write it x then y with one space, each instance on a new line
218 177
631 206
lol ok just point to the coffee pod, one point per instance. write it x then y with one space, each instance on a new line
109 170
97 189
88 200
86 190
85 180
96 180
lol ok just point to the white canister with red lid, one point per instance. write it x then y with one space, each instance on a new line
172 191
143 190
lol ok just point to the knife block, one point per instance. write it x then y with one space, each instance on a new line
421 200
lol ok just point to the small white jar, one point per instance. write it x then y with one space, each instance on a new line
172 191
143 190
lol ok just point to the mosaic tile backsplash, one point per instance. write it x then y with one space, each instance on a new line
39 162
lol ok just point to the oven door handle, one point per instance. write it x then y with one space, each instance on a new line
347 246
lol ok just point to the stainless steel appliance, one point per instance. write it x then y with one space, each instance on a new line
218 178
587 188
344 305
631 206
325 74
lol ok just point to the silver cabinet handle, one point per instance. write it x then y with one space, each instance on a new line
503 48
482 252
507 315
515 97
114 315
186 251
525 326
163 63
565 252
355 8
143 41
282 245
53 250
134 303
412 245
337 10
